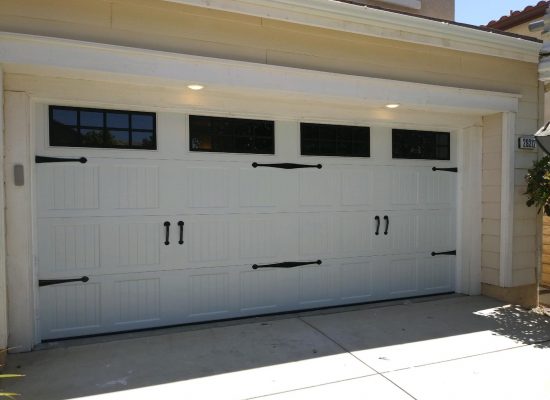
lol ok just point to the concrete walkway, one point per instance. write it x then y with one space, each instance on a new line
445 348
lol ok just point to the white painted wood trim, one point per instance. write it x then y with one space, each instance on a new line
380 23
414 4
3 278
469 211
507 199
84 60
19 222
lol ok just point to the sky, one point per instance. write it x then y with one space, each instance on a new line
480 12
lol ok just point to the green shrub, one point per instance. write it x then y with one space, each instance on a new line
538 185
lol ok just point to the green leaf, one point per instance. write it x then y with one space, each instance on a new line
10 395
11 376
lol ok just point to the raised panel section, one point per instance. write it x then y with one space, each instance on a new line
318 284
74 187
404 232
257 238
258 290
316 188
357 187
209 187
403 276
437 229
356 281
209 294
439 188
256 188
405 187
138 244
138 186
315 234
137 300
356 233
436 273
69 247
209 240
70 308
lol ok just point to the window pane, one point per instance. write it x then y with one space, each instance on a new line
231 135
425 145
143 139
334 140
92 137
83 127
140 121
91 118
65 117
118 120
117 138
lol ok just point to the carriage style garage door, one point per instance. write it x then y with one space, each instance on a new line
167 229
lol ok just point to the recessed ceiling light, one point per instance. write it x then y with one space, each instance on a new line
195 87
392 105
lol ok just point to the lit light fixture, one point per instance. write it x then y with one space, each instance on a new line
395 105
195 87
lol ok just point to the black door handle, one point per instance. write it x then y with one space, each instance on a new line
49 282
43 159
167 234
286 165
288 264
387 219
180 224
377 219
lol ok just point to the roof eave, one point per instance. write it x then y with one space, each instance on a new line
369 21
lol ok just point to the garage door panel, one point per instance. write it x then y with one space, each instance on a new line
357 280
209 293
358 187
71 309
317 236
260 290
405 187
356 233
403 276
437 274
209 187
438 188
256 188
137 300
318 188
319 284
69 246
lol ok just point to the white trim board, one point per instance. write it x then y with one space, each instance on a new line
83 60
380 23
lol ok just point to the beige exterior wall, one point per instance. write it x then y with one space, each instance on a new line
523 29
444 9
191 30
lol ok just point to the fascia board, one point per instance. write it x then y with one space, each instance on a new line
107 62
379 23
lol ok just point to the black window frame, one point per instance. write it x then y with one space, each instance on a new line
233 136
105 128
353 131
440 140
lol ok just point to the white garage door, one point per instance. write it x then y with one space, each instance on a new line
170 236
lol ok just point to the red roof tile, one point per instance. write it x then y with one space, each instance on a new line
516 18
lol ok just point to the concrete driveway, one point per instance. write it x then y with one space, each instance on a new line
449 347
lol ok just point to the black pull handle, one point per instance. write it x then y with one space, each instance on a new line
287 165
445 169
43 159
49 282
377 219
445 253
288 264
180 224
167 237
387 219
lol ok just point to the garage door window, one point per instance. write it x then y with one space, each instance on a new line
91 127
334 140
231 135
421 145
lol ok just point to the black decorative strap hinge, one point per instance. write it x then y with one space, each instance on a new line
445 253
43 159
286 165
445 169
49 282
288 264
